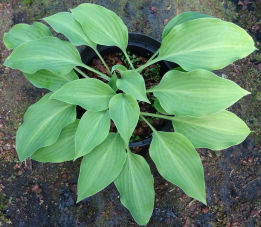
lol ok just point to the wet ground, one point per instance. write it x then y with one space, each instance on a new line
33 194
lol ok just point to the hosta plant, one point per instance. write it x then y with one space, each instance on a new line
191 96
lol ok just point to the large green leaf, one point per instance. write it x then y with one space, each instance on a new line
179 163
205 43
62 150
124 111
21 33
101 166
91 94
198 93
48 53
133 84
181 18
43 122
218 131
65 23
101 25
135 184
52 81
93 129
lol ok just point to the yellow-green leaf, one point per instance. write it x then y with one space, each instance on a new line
216 132
179 163
198 93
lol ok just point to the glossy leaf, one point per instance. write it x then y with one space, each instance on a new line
112 82
178 162
135 184
133 84
48 53
101 166
21 33
65 23
124 111
205 43
197 94
93 129
43 122
181 18
62 150
90 94
101 25
47 79
216 132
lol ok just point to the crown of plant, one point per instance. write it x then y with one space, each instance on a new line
191 96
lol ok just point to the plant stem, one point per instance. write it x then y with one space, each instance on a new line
79 71
97 72
147 64
127 56
144 119
153 56
104 63
156 115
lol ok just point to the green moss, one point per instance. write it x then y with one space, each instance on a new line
3 206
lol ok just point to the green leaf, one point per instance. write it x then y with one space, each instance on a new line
216 132
43 122
65 23
101 166
135 184
124 111
179 69
47 79
120 68
181 18
178 162
90 94
198 93
205 43
113 81
101 25
46 53
21 33
133 84
62 150
93 129
159 108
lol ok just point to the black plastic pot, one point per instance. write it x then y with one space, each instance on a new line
141 45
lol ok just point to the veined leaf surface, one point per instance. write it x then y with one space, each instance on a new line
93 129
21 33
198 93
62 150
205 43
178 162
135 184
133 84
101 166
65 23
47 79
216 132
43 122
124 111
181 18
91 94
48 53
101 25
